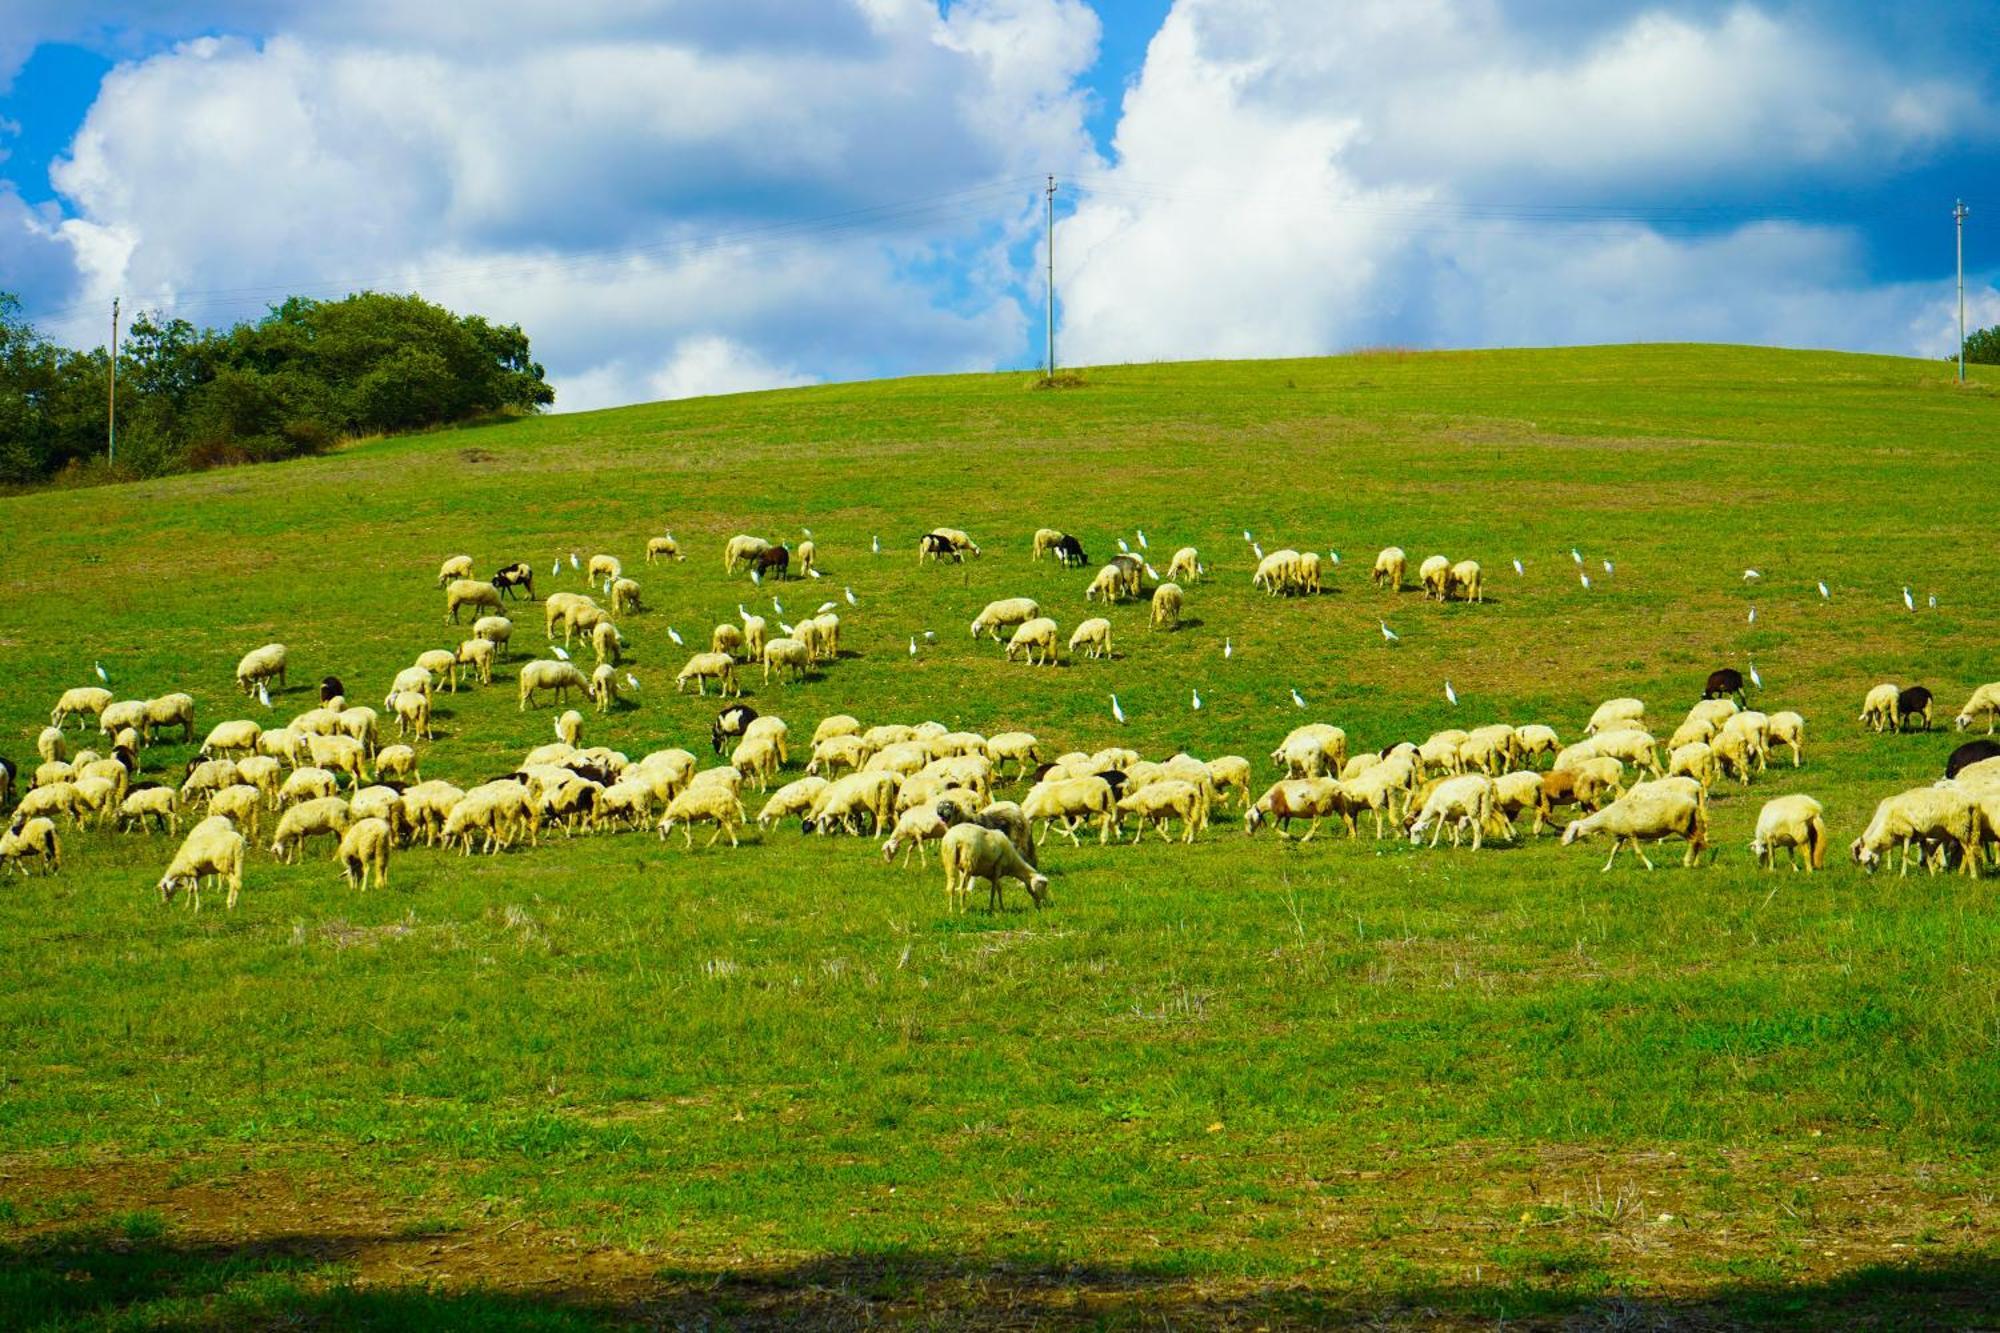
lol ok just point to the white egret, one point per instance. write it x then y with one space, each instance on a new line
1450 694
1751 576
102 674
1823 593
1756 679
1228 650
876 544
1116 711
1586 581
1518 569
913 645
574 563
1607 566
1576 555
1123 549
850 597
1142 537
1298 700
557 649
1197 700
675 635
1389 635
1908 600
1753 616
824 607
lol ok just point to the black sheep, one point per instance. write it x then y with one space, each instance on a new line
939 547
1070 552
731 721
1915 702
775 562
1972 752
331 688
1724 684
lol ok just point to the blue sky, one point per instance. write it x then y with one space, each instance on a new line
725 194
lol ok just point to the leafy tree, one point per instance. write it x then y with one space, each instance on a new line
1983 348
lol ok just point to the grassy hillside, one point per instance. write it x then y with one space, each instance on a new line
1243 1080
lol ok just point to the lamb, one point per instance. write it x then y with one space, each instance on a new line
1390 565
603 568
1788 728
1926 814
169 710
364 849
413 714
1914 702
914 827
214 850
602 687
1185 567
1092 638
624 597
477 654
1167 606
742 549
1650 812
1878 709
91 699
1156 803
496 630
543 674
1435 575
309 819
1695 760
1458 801
971 851
1006 611
663 547
241 804
1036 641
1464 580
306 784
31 839
1984 703
1616 715
1107 586
712 803
1072 800
261 665
787 656
158 803
792 799
1793 823
472 593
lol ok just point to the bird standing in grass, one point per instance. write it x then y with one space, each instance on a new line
1389 635
1909 601
1823 593
557 649
102 674
850 596
675 635
1450 694
1116 711
1298 700
1196 704
1518 569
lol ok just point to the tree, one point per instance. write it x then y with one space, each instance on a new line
1983 347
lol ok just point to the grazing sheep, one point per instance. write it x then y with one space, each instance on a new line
663 547
501 811
1616 715
520 575
1713 712
569 728
961 807
556 609
364 850
1019 746
52 772
710 803
261 665
1488 750
496 630
84 699
1793 823
1036 641
1167 606
602 687
938 547
1914 702
208 776
1588 786
808 556
1277 572
838 752
972 851
1092 638
1311 798
1631 746
1006 611
1157 803
1787 729
360 724
1073 801
442 664
472 593
791 800
1185 567
606 642
732 721
1535 740
727 639
584 620
788 656
1390 565
961 543
231 738
627 803
1984 703
1736 753
757 757
385 803
568 802
341 754
902 759
1435 576
1230 772
1695 731
1650 812
59 799
603 568
1457 802
411 679
427 806
158 803
116 717
1329 743
1107 586
914 827
741 550
1046 541
624 597
478 655
753 637
1517 794
1464 580
1724 683
322 815
1695 760
413 714
542 674
50 745
1878 709
1911 818
1970 754
241 804
169 710
29 840
457 567
821 636
213 850
847 799
839 724
306 784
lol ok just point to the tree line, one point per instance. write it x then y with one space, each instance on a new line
297 381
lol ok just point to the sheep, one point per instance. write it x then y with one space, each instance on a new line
207 776
1006 611
442 664
663 547
727 639
413 714
1724 683
556 608
1587 786
158 803
741 550
1185 567
624 597
787 656
602 687
961 543
1968 755
792 799
583 619
914 827
955 744
1787 728
378 803
364 849
1328 740
360 724
306 784
569 802
773 563
1736 753
411 679
1435 575
1069 552
50 745
92 796
1516 794
1390 564
936 546
501 811
241 804
520 574
1628 745
845 800
1230 772
961 807
629 801
1984 703
603 569
31 839
1650 812
1914 702
1695 731
427 806
53 800
1458 801
838 724
308 819
1107 586
757 757
1464 580
1793 823
1277 572
1019 746
569 729
90 699
1925 814
53 772
1305 574
1311 798
1158 802
1878 709
472 593
1695 760
972 851
213 849
231 738
1073 801
1046 540
821 635
259 666
457 567
341 754
903 758
881 737
711 803
477 654
1615 715
1035 640
113 771
543 674
838 752
1535 740
169 710
495 631
1092 638
1488 750
753 636
1166 606
808 557
116 717
1714 712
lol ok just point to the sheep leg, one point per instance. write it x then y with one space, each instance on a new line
1615 845
1640 852
1310 831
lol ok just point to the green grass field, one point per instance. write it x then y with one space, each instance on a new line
1242 1082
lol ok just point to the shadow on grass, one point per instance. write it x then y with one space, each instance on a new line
131 1275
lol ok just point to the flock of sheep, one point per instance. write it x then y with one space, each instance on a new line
333 771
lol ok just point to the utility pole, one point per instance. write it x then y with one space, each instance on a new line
111 427
1049 230
1958 215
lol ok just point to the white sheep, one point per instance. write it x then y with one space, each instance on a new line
1185 567
208 776
838 752
473 593
1019 746
59 799
1516 794
1046 541
1157 803
1794 823
1229 772
1628 745
787 656
1317 747
213 849
1649 812
306 784
261 665
157 803
340 754
1107 586
624 596
1694 731
963 544
791 800
805 560
847 799
1005 611
427 806
1464 581
1616 715
742 549
116 717
456 567
1695 760
972 851
727 639
1092 638
663 547
442 664
1166 606
607 643
709 803
1458 802
1945 815
1073 801
501 811
628 802
756 757
1878 709
496 630
364 850
914 827
839 724
169 710
821 636
50 745
413 714
309 819
232 738
84 699
1035 640
1390 564
754 630
477 654
31 839
1983 705
1435 575
241 804
543 674
1787 728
